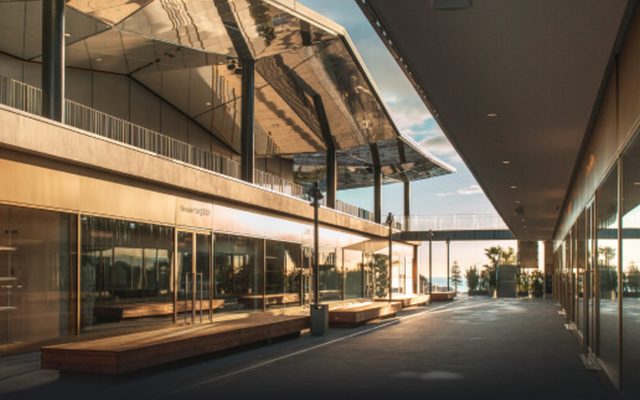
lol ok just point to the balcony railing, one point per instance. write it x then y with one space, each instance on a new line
28 98
454 222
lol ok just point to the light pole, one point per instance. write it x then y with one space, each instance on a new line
390 223
319 313
316 196
448 264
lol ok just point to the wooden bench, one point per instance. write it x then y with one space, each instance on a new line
411 301
255 300
127 353
120 311
358 314
442 296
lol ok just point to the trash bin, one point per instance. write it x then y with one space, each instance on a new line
319 319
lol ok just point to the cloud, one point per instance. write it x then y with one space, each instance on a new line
471 189
445 194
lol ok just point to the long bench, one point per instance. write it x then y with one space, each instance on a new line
255 300
411 300
120 311
442 296
127 353
360 313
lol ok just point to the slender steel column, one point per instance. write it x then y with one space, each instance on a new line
407 203
332 177
448 263
331 159
390 223
247 141
377 193
430 262
53 59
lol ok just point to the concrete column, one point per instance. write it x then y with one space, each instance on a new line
407 203
377 193
548 265
53 59
247 141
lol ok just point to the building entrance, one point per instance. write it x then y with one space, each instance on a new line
194 274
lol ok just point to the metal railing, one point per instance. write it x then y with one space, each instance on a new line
454 222
28 98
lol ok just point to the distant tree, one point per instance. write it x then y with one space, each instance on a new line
607 253
472 277
632 277
456 276
484 282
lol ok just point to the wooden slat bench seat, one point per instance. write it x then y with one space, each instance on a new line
120 311
360 313
127 353
442 296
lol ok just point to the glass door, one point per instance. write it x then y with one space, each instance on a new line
194 276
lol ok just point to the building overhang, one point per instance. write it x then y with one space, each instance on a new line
190 53
514 86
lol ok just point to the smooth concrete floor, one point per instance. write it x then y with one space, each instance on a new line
474 348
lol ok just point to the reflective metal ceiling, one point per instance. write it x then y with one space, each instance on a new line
189 52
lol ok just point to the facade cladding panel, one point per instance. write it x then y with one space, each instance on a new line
596 276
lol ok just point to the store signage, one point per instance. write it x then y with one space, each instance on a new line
194 213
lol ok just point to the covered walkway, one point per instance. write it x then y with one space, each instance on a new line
472 348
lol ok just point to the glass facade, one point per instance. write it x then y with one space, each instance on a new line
596 272
124 267
239 271
135 275
38 254
630 241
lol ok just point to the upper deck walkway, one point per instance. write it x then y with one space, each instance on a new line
476 349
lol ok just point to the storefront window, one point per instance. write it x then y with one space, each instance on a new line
125 272
607 256
354 278
330 274
284 271
631 270
239 271
37 274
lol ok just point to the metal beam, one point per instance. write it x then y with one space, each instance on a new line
53 59
247 135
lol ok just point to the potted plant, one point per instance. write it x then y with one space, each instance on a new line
524 283
537 284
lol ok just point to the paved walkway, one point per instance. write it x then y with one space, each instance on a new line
470 349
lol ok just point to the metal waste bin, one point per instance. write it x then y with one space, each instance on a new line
319 319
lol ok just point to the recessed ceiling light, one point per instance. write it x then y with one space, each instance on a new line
208 103
99 59
513 187
636 183
492 115
67 34
506 162
517 201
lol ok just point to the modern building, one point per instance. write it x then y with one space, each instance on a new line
153 152
542 101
